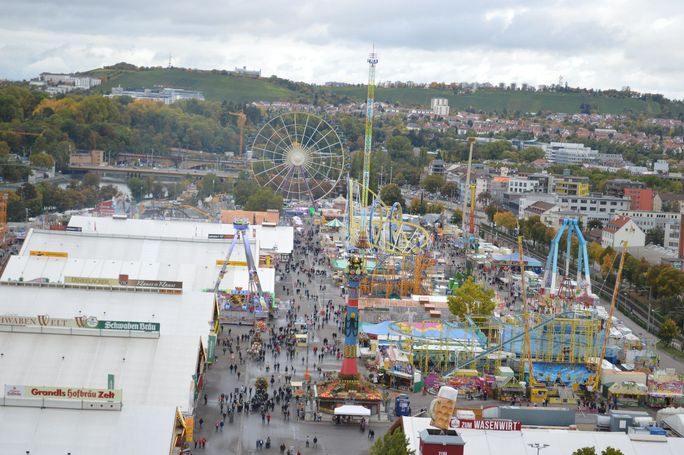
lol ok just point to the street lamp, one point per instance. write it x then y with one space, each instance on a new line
538 446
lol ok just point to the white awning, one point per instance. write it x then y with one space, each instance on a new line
352 410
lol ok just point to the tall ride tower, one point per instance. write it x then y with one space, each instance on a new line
370 100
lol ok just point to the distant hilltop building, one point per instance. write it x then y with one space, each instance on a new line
440 107
337 84
55 83
166 95
245 72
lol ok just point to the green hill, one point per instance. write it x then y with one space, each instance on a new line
494 100
214 84
219 86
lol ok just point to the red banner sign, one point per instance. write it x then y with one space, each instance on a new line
494 424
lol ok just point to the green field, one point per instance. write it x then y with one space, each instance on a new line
220 87
214 85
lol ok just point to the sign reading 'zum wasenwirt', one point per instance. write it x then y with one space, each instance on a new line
79 322
63 393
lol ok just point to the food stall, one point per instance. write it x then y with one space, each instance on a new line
665 389
627 393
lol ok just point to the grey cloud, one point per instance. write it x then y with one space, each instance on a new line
601 42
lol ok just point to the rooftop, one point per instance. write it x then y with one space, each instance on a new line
560 442
268 236
616 223
99 255
154 374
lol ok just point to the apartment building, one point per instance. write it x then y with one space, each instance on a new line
440 107
641 198
522 185
571 186
670 222
617 187
622 229
595 206
545 182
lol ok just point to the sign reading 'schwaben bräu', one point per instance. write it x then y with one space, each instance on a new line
79 322
63 393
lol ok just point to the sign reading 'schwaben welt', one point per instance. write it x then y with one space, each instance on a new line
79 322
63 393
123 280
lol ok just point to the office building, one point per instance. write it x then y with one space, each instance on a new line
570 153
594 206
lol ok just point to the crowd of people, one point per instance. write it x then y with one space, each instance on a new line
273 350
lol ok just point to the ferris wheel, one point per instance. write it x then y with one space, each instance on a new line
298 155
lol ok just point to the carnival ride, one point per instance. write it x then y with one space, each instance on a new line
298 155
562 288
258 301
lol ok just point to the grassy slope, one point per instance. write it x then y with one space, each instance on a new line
492 100
214 85
231 88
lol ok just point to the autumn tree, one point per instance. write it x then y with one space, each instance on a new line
392 193
91 179
506 220
432 183
42 159
472 298
264 199
669 331
449 189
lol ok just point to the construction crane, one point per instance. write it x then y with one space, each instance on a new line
241 122
471 142
606 330
472 209
3 217
368 138
526 315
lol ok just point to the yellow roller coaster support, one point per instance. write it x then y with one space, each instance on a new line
606 334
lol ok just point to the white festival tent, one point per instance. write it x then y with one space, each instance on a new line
352 410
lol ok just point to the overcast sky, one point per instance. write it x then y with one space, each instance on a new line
591 43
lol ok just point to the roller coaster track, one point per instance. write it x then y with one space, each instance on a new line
509 341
